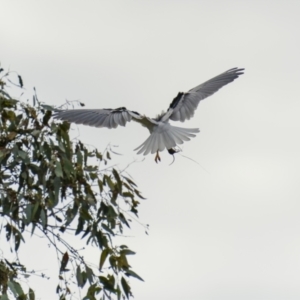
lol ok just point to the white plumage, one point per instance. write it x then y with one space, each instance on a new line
163 135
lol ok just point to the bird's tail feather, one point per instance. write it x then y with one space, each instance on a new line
158 141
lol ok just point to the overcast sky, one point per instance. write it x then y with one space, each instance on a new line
229 226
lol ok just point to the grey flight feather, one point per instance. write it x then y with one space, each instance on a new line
184 105
109 118
162 134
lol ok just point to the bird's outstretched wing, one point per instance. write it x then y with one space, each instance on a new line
184 105
109 118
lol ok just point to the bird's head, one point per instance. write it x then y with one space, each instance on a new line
172 151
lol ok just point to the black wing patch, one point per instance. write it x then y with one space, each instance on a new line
176 100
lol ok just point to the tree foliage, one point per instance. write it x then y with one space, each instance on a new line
55 186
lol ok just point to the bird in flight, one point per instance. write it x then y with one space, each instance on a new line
163 135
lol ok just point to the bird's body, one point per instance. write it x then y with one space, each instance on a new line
163 135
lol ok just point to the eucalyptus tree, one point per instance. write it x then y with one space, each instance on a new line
54 187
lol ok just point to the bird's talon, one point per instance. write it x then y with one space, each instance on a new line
157 157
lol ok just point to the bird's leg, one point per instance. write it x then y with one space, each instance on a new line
157 157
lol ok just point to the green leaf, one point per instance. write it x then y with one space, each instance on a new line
89 274
61 147
119 181
11 135
119 292
133 274
128 195
6 102
68 167
126 287
56 183
31 294
123 263
47 150
58 219
91 168
35 133
79 157
35 209
105 227
139 194
100 184
113 262
127 252
110 183
20 81
93 289
103 257
28 213
43 217
22 154
87 231
108 284
98 155
18 237
101 239
79 277
123 247
93 176
12 288
58 169
123 220
9 114
108 155
64 262
33 228
79 225
15 288
129 181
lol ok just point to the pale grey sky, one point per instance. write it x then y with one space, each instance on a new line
233 231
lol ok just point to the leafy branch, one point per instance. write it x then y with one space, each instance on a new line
56 186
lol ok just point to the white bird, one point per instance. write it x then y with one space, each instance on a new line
163 135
